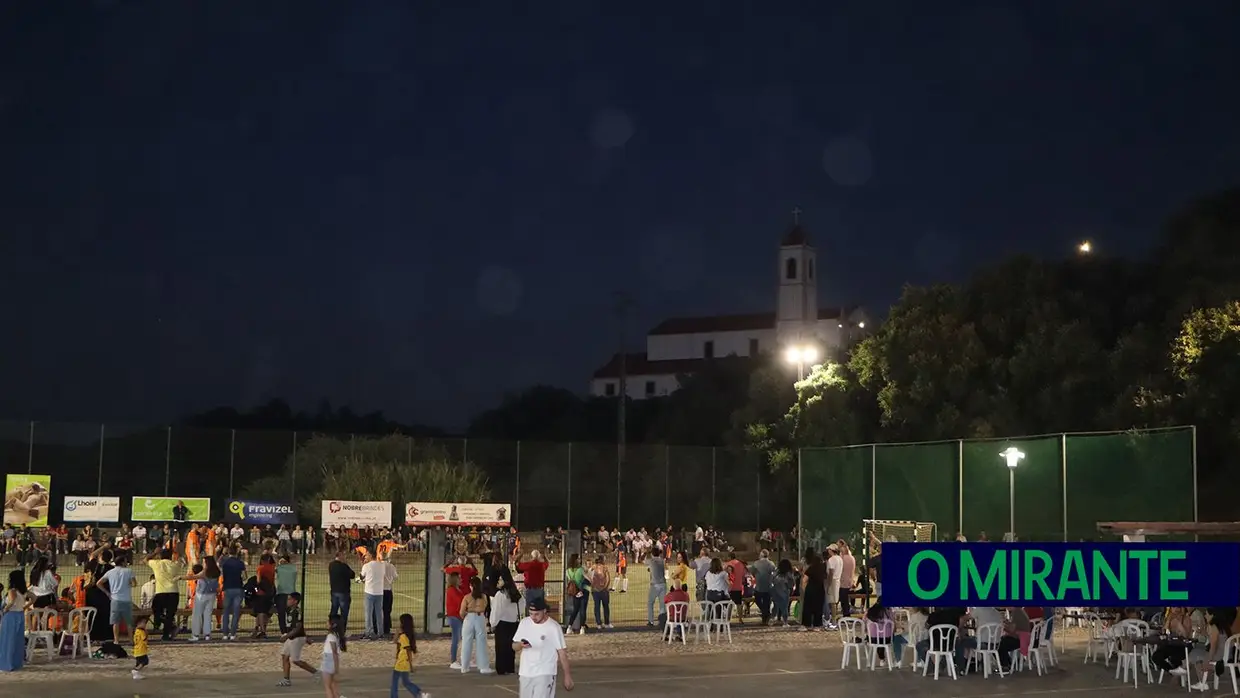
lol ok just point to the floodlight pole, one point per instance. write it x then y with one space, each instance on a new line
1013 457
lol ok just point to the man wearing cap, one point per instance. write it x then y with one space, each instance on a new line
541 644
835 573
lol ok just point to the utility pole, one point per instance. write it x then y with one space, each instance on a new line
623 304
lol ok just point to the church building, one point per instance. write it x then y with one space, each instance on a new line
682 345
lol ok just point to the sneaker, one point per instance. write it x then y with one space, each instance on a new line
454 665
1203 686
1178 671
609 626
581 632
137 676
487 672
921 664
193 638
284 683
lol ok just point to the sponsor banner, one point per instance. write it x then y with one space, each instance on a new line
1111 575
260 512
26 499
339 512
92 509
160 508
458 514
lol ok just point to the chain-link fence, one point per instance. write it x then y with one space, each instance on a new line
548 484
1062 485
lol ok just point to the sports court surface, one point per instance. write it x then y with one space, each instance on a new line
743 675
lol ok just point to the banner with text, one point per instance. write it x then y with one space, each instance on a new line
92 509
458 514
338 512
161 508
260 512
26 499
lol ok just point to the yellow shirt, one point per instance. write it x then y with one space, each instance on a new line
402 654
139 642
166 573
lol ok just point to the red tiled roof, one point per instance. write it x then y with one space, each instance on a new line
731 323
639 365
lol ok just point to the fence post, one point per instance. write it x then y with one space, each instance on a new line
99 487
800 496
30 450
873 481
516 494
293 483
167 460
667 481
1196 537
232 460
1063 476
464 450
568 512
409 456
758 514
960 486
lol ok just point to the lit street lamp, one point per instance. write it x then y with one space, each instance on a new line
1085 247
802 356
1013 456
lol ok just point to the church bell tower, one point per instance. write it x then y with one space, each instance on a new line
796 319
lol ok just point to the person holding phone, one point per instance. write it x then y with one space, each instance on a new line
542 648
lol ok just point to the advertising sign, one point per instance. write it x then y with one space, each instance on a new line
260 512
458 514
160 508
92 509
26 499
339 512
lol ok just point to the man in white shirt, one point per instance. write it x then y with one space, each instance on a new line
389 576
699 539
835 574
139 538
541 644
374 572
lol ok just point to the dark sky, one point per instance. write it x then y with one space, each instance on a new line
417 206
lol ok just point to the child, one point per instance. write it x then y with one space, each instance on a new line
333 645
294 640
140 658
406 647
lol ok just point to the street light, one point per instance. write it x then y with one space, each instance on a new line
801 356
1085 247
1013 456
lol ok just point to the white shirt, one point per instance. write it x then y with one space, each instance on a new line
389 575
330 642
986 616
46 585
139 532
373 574
148 595
836 567
717 581
503 609
699 535
235 532
546 640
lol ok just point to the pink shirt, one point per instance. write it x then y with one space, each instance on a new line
846 574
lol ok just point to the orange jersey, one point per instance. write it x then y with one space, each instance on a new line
361 550
191 545
622 561
384 547
211 541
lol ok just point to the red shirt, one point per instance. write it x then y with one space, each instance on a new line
1034 612
736 575
267 572
453 596
465 571
535 572
673 596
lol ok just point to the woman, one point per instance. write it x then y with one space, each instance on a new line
43 584
264 595
206 578
1218 627
576 593
13 605
782 584
880 627
474 629
453 596
600 584
717 582
680 571
813 592
916 629
504 618
334 644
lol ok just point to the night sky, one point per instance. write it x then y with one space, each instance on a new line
416 207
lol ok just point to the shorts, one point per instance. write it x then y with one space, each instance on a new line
292 649
261 604
121 612
142 661
833 594
327 668
738 597
537 687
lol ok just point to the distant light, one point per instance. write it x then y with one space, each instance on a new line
802 355
861 325
841 324
1013 456
1085 247
794 355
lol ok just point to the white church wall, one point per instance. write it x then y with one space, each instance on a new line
666 347
638 387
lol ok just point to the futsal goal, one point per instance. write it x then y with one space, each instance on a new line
885 531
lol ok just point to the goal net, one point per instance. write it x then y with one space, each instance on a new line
882 531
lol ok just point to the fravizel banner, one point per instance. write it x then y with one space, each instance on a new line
458 514
260 512
26 499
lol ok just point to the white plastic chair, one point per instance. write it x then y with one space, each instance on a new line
721 620
39 622
83 619
1132 656
1231 663
852 635
942 647
880 636
1037 657
1186 678
987 649
1098 639
700 623
677 609
912 645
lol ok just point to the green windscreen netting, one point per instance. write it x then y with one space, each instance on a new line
1125 476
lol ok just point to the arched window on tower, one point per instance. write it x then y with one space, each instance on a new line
810 270
790 268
